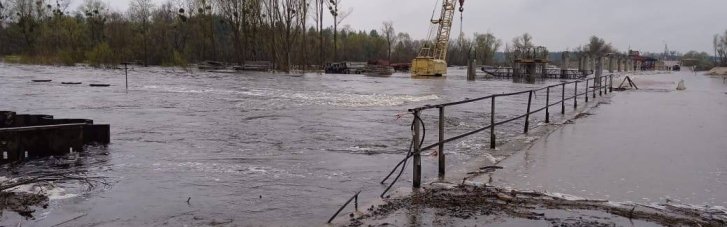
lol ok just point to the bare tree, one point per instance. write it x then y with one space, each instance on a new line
390 36
303 8
321 50
289 20
96 13
4 15
522 42
338 17
597 48
486 45
720 49
29 16
715 42
272 17
235 14
140 11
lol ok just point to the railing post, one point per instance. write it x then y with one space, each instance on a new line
586 90
562 103
492 124
527 115
610 86
547 105
575 99
441 144
594 88
417 152
600 86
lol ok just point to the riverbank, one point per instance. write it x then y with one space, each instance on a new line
571 160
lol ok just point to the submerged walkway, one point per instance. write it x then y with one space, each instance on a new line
652 145
657 154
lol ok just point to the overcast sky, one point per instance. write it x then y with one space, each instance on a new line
557 24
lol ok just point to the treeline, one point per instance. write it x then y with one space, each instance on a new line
288 33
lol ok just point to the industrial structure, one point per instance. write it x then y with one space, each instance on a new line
530 64
432 58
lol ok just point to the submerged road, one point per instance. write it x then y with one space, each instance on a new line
244 149
651 145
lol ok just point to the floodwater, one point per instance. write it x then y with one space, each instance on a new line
247 149
652 145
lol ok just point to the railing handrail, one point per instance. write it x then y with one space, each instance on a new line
418 123
354 197
601 83
427 107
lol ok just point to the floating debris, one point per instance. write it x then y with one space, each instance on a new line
471 201
71 83
42 81
100 85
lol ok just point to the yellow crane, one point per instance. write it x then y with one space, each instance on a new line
432 58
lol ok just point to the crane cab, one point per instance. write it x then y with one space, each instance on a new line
428 67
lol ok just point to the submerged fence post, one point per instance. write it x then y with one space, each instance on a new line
492 124
547 105
417 152
562 103
441 143
586 90
527 115
575 98
126 73
610 86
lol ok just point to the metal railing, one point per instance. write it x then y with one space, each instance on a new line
354 198
604 86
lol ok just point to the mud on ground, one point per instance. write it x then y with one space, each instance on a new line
22 203
468 204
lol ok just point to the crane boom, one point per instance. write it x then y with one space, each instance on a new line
432 58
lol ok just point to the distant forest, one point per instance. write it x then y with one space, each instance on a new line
288 33
285 32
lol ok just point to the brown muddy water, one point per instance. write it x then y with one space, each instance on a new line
243 149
